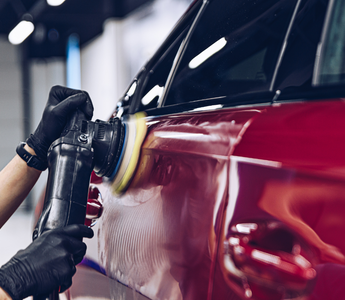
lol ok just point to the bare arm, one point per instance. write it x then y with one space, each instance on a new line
4 295
17 179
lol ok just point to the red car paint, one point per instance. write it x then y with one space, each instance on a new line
160 237
199 174
289 167
94 207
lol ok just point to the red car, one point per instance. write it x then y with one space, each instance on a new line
239 191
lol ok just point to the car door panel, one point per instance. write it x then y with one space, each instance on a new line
160 237
289 194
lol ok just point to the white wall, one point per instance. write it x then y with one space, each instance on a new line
11 114
110 61
147 28
43 75
104 69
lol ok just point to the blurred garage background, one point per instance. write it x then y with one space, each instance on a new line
95 45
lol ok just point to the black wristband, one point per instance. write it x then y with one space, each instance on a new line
31 160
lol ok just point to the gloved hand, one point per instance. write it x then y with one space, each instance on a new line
61 103
46 264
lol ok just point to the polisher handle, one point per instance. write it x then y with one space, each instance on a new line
70 163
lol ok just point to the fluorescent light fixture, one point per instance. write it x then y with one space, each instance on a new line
55 2
73 68
21 32
207 53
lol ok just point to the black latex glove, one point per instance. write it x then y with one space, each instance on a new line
46 264
61 103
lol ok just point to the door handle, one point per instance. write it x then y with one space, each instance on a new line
268 259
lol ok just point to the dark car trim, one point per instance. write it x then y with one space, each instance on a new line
179 55
142 77
242 100
282 51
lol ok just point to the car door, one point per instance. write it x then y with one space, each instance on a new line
161 238
283 226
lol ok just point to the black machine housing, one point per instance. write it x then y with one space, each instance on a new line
83 146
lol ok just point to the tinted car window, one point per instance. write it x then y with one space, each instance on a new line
158 68
158 74
233 50
332 63
295 72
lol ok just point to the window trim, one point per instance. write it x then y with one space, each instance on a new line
222 102
284 45
321 45
184 45
179 55
142 76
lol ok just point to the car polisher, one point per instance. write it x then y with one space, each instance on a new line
110 148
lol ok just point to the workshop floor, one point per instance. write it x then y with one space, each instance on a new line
15 234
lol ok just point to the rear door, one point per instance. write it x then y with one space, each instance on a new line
284 222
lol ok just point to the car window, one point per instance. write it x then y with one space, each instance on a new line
158 74
233 50
296 69
159 68
331 68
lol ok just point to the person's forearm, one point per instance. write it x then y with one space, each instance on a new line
4 295
17 179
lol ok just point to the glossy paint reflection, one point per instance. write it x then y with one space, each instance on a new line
300 188
160 237
94 206
269 261
232 204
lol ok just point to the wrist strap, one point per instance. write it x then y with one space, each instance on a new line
31 160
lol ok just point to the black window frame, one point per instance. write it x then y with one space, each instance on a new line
143 76
245 96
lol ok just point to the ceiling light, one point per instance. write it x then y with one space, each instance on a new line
55 2
20 32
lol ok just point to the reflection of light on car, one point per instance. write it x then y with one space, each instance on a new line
132 89
301 261
244 227
234 241
255 161
307 271
149 123
156 91
207 53
179 135
265 257
209 107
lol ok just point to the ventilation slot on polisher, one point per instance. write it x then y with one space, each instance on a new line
100 131
84 127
